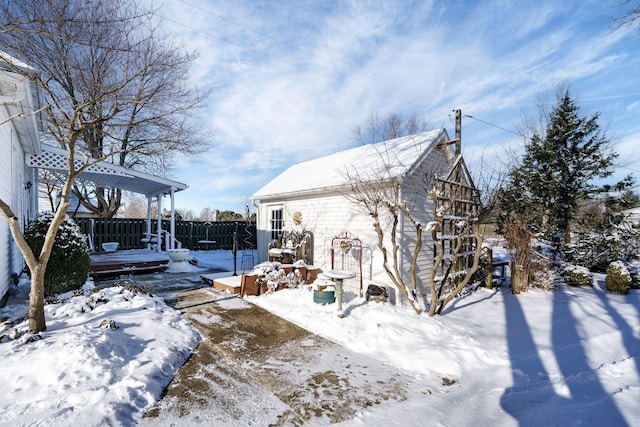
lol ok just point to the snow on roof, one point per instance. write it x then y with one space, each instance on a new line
8 62
390 159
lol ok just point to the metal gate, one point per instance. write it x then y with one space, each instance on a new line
346 254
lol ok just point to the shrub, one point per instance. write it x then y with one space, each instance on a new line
574 275
618 279
69 264
519 238
635 275
543 279
596 251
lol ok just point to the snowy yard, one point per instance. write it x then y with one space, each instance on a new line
567 357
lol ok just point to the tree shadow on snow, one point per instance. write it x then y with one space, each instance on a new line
532 400
469 299
631 343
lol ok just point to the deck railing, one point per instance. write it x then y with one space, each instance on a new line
130 232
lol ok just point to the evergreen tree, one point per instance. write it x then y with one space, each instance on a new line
627 200
559 167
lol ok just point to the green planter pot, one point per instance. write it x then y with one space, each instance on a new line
324 297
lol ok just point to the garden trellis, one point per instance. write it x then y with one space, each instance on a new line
460 199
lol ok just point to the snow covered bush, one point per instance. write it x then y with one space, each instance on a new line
574 275
543 275
635 275
618 279
69 264
597 250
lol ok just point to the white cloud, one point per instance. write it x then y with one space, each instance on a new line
291 81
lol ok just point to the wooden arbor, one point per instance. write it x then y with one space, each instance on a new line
456 206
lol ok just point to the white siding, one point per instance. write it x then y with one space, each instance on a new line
327 216
12 173
328 213
15 135
5 194
414 191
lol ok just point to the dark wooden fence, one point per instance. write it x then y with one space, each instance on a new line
130 232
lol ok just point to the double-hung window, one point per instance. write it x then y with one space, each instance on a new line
277 223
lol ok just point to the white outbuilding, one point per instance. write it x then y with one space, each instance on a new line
309 207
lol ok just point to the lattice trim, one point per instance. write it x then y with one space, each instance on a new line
55 161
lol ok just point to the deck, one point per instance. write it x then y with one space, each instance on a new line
132 261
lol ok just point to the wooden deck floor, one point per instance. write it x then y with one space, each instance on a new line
133 261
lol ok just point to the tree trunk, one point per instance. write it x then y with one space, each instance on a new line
36 301
432 276
36 267
467 278
519 277
395 279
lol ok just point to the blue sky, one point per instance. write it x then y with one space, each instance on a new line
290 80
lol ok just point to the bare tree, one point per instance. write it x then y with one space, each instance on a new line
394 125
632 13
49 184
135 207
99 70
380 197
110 68
185 214
207 214
489 179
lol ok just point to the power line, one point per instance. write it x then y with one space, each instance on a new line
627 168
491 124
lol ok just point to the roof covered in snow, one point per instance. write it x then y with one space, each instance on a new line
390 159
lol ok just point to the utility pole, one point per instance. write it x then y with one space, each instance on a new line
458 131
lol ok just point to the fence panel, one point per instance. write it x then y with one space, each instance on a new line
129 232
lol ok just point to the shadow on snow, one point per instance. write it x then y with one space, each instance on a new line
532 400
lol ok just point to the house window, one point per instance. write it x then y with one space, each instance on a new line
277 223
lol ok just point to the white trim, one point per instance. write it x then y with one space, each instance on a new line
106 174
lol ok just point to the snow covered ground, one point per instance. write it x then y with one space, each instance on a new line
567 357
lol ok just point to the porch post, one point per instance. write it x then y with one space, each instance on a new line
149 221
33 192
159 230
173 219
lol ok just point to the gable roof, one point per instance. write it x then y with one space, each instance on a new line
392 159
460 173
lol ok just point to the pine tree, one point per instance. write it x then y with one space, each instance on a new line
559 167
